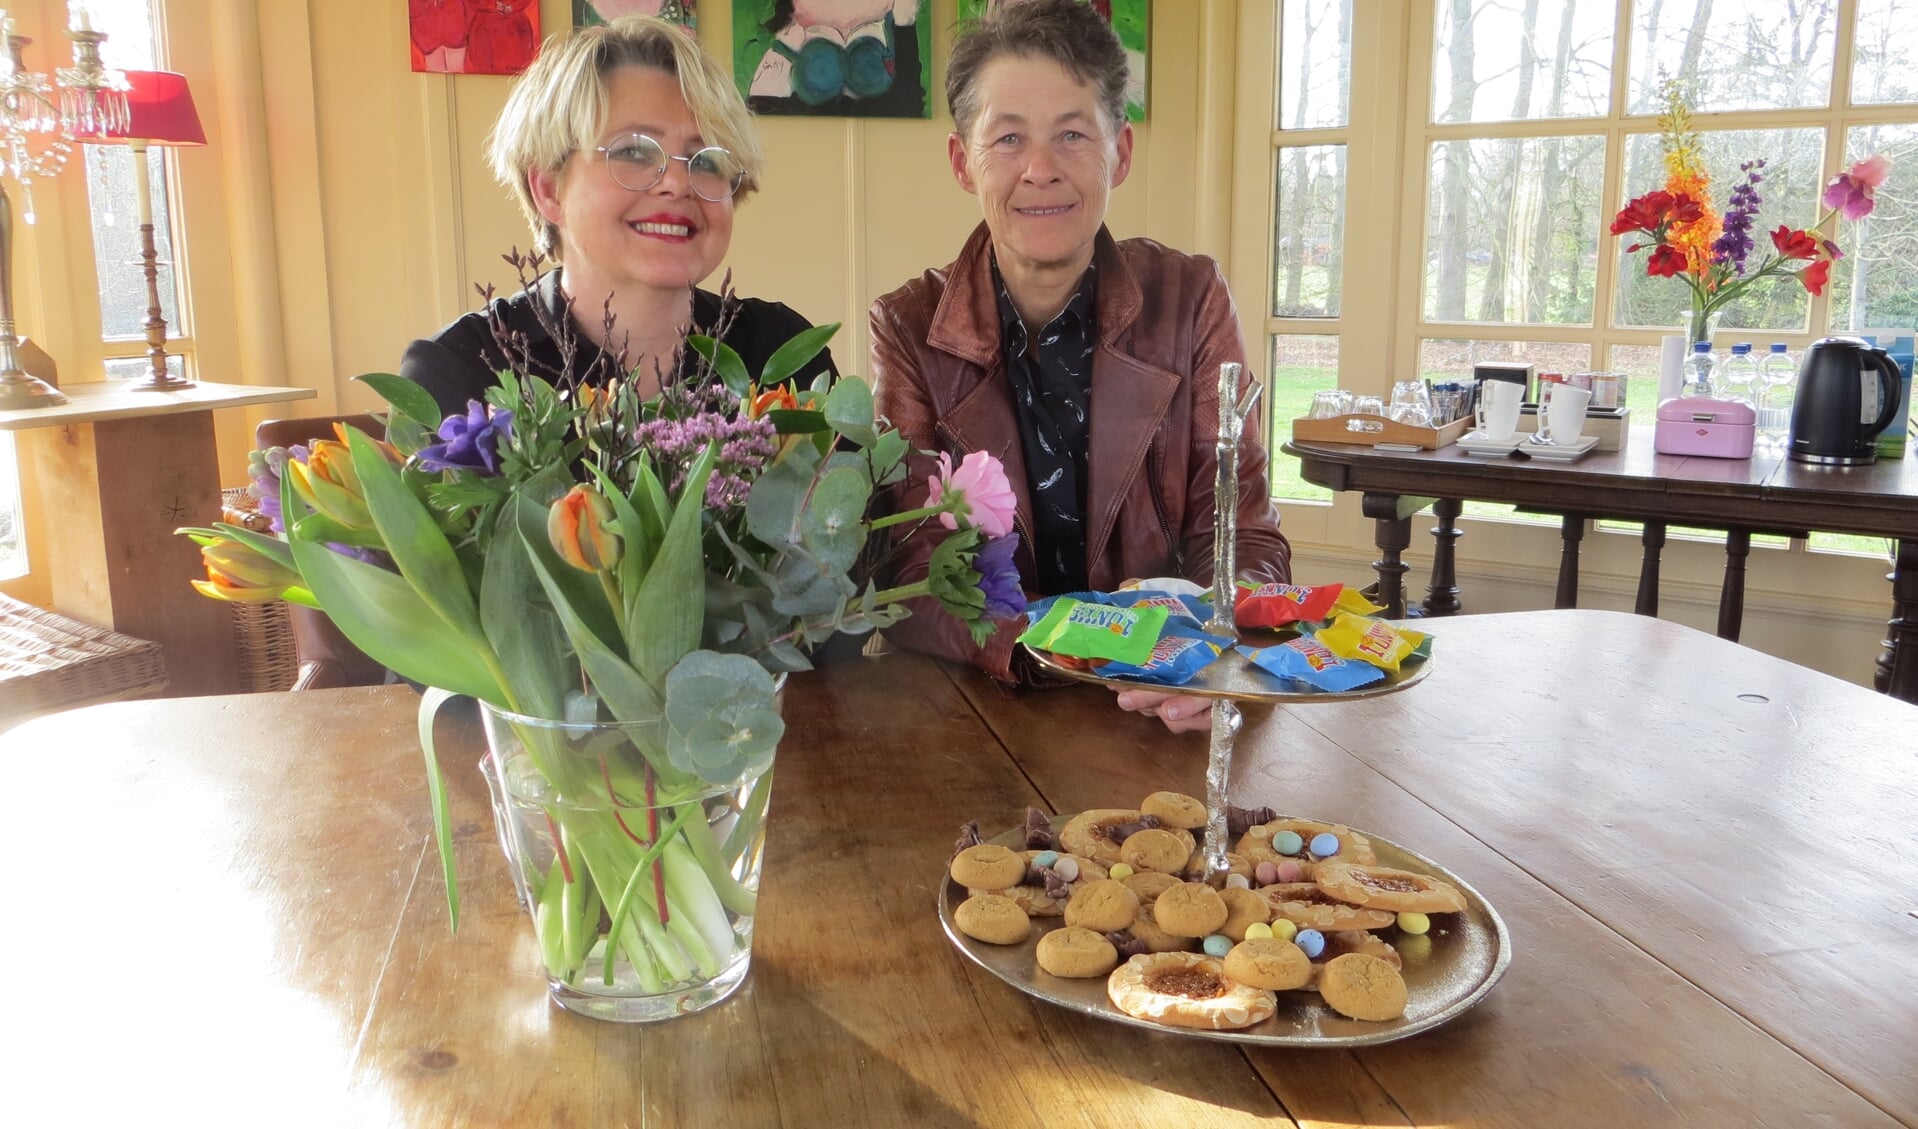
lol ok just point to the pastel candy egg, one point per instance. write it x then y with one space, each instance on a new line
1283 929
1258 929
1287 842
1325 844
1045 858
1312 941
1266 873
1218 945
1237 882
1288 871
1119 870
1067 869
1414 923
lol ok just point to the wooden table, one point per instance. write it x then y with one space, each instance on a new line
228 910
1766 493
119 471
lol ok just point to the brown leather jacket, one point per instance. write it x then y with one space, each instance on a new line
939 376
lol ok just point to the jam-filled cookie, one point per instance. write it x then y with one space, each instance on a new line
1243 908
1363 987
1159 849
991 918
1267 962
1284 840
1190 909
1187 990
1175 809
1308 907
988 866
1148 933
1382 888
1077 953
1103 905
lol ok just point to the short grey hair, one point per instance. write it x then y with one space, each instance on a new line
1069 32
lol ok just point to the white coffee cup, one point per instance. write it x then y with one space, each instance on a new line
1563 413
1498 404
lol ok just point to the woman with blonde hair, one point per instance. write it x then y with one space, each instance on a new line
627 148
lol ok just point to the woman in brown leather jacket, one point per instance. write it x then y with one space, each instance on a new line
1089 366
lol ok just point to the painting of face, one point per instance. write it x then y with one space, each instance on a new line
613 239
1043 161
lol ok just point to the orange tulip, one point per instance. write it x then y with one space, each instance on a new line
579 526
240 574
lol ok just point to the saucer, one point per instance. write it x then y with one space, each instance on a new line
1475 443
1562 452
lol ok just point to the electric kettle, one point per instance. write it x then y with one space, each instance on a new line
1847 394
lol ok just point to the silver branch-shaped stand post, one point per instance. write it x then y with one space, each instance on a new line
1233 410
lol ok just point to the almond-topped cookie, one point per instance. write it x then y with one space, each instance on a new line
1187 990
1291 840
1380 887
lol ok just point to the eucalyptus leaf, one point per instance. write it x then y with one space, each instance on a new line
849 410
778 494
832 527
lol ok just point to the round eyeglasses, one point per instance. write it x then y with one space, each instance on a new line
638 162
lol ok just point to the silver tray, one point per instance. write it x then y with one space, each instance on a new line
1469 952
1234 676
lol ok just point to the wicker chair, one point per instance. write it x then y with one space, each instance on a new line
50 662
326 657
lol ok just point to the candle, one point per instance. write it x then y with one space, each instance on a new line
77 13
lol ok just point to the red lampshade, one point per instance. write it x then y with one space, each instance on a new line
159 111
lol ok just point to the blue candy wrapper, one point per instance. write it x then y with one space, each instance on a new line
1180 654
1179 608
1309 661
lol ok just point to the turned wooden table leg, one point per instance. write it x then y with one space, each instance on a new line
1654 542
1898 665
1571 531
1393 517
1441 596
1731 597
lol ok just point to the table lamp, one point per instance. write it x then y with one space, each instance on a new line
159 112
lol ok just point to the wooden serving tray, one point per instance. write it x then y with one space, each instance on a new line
1370 429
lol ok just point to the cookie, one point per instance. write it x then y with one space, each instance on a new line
988 866
1088 833
1175 809
1256 844
1243 907
1308 907
1149 885
1077 953
1160 849
1267 962
1186 990
1363 987
1103 905
1190 909
1352 941
1035 898
1235 863
1158 940
992 918
1379 887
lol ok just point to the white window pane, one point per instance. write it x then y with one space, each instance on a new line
1876 283
116 242
1511 229
1442 358
1788 195
128 25
1740 54
1506 60
1315 64
1301 365
139 368
13 537
1886 43
1311 231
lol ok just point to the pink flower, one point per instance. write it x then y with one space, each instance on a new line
984 497
1854 192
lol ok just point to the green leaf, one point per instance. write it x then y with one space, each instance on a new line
430 703
772 509
849 411
832 525
319 528
407 398
524 632
268 544
640 543
415 542
725 361
667 615
789 358
576 595
797 421
889 458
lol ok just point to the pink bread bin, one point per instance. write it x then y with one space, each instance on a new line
1705 425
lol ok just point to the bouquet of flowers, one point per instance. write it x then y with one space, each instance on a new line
571 551
1685 238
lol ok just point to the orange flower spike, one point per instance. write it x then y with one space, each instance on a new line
579 526
1685 173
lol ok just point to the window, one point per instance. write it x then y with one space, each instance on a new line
1526 124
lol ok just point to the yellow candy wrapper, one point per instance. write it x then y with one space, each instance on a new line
1358 637
1352 602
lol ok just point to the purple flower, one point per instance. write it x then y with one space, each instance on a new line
1854 192
999 578
265 468
471 441
1740 214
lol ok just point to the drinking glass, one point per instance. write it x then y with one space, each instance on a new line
1367 406
1412 403
1330 403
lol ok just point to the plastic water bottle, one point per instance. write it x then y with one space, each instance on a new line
1738 376
1698 371
1778 377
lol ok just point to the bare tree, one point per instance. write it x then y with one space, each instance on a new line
1450 284
1500 228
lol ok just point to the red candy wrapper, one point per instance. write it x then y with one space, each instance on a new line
1277 605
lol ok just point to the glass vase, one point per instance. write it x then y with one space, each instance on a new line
641 882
